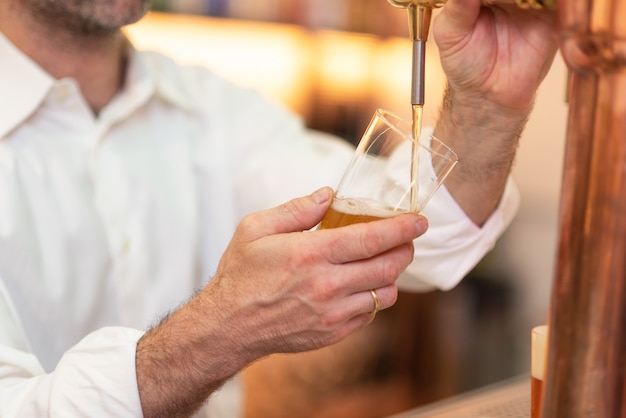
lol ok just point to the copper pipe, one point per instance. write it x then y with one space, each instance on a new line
586 374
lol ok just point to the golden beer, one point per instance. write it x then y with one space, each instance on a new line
344 212
536 390
539 341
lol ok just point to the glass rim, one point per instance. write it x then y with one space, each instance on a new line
390 117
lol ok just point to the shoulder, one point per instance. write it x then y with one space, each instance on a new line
201 85
193 81
228 107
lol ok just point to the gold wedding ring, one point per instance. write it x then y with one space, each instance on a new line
376 301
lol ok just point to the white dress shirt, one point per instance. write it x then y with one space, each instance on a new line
108 222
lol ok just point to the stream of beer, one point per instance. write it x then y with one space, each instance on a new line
417 128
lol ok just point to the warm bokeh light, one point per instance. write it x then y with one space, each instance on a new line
290 63
343 64
273 58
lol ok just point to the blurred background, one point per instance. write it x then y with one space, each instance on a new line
334 62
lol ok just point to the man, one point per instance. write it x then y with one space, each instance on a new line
124 180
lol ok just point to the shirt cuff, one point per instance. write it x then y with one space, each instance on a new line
453 244
97 376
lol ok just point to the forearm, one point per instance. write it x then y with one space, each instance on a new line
184 359
485 137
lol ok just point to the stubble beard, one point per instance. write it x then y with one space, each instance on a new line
93 18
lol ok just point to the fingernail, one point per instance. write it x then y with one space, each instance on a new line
421 225
322 195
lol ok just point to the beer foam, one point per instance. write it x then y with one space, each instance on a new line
539 345
364 207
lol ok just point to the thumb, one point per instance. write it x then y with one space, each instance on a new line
297 215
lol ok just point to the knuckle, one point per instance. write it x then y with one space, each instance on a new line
372 242
331 320
249 222
335 244
304 261
397 261
294 208
391 269
326 288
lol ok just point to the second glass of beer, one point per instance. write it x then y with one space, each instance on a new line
538 357
390 173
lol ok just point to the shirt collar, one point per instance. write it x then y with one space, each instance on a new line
149 75
147 67
23 85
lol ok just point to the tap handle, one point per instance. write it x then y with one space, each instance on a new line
434 4
431 4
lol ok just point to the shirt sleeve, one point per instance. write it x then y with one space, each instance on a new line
94 378
453 244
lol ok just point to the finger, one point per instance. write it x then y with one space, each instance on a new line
387 297
357 310
298 214
376 272
364 303
365 240
459 17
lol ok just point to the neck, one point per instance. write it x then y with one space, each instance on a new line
96 62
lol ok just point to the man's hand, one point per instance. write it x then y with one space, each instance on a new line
498 53
494 58
279 287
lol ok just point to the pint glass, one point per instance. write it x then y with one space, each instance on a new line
539 341
382 179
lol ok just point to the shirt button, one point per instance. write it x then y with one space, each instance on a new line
61 93
125 245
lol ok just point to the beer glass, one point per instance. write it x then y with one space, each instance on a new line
538 352
390 173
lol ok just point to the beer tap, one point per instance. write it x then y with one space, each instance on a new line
419 24
420 12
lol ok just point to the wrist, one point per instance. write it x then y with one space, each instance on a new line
473 110
485 137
